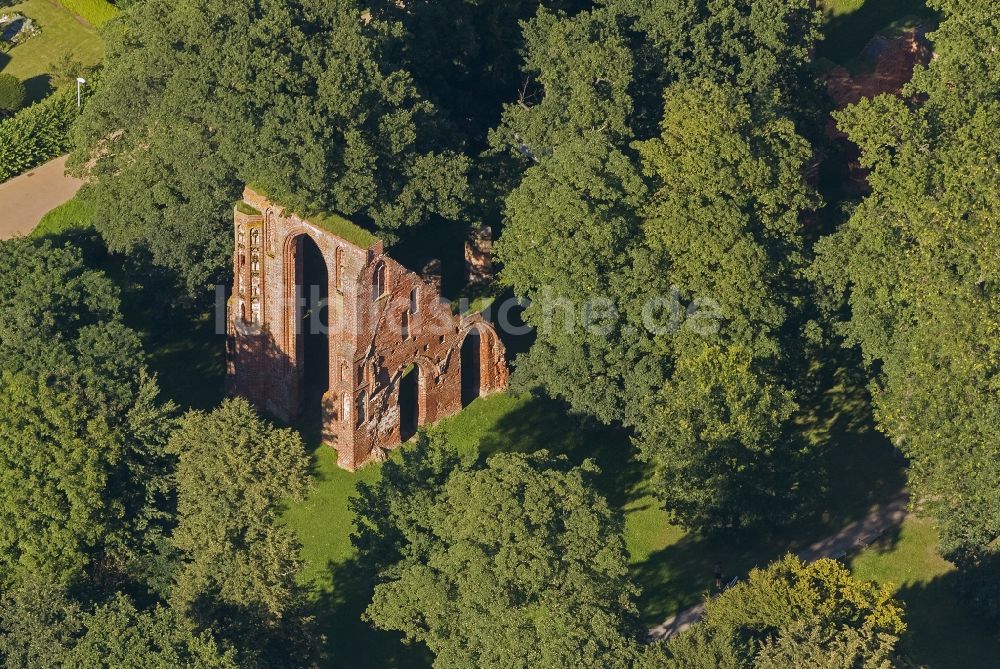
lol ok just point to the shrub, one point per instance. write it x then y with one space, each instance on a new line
37 133
96 12
11 93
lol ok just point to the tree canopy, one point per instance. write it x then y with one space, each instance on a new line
516 563
42 627
638 250
914 271
238 563
81 429
302 99
791 615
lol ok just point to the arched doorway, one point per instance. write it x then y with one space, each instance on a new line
472 373
312 324
409 403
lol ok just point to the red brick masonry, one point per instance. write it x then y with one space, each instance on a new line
384 322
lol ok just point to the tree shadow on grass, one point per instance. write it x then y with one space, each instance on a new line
683 574
856 471
184 347
37 88
942 630
860 468
350 642
181 338
547 424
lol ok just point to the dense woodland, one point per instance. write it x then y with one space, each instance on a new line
623 151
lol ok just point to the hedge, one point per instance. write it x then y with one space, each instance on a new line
96 12
37 133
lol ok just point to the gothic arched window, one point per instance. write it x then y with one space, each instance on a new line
378 281
360 412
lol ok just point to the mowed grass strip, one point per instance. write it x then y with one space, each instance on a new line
94 12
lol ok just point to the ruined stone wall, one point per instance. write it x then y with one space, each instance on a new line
409 324
893 61
384 320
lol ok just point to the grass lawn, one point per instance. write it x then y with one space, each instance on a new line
674 568
61 33
73 214
941 634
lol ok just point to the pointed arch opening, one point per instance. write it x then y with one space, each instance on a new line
409 403
312 325
472 371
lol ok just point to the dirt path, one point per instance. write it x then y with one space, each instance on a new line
855 536
26 198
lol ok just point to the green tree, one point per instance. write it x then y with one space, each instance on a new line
118 636
723 219
570 227
580 71
643 262
914 274
791 615
81 453
577 76
81 482
65 68
714 436
519 564
11 93
38 623
465 54
391 513
301 98
53 305
723 225
760 47
42 627
238 562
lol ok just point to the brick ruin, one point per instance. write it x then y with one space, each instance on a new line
323 324
892 62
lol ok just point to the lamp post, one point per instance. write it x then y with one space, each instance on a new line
79 80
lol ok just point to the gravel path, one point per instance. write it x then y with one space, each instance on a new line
26 198
855 536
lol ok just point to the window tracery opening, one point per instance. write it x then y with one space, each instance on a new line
338 270
378 281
